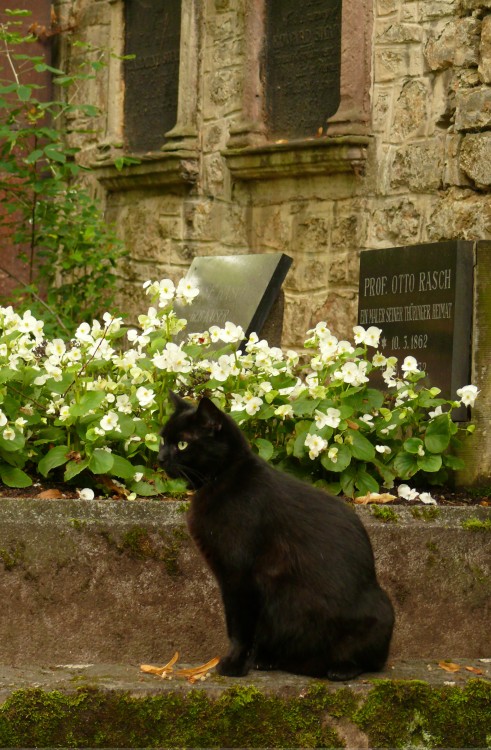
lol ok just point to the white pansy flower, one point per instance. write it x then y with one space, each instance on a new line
329 418
284 411
468 394
406 492
145 396
410 365
186 291
378 360
110 422
315 444
372 336
359 334
265 386
138 476
252 404
20 423
344 347
427 499
123 404
231 333
8 433
332 453
64 413
383 449
436 413
3 419
86 494
172 359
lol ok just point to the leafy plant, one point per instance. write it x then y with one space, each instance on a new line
92 409
55 225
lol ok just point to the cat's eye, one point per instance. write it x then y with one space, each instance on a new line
182 445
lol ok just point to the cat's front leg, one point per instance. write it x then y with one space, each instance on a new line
241 613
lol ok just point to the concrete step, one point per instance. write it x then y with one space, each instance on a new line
413 703
121 582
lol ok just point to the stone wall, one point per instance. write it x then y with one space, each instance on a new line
406 159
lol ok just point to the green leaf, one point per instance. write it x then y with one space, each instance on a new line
144 489
24 93
265 448
55 457
13 477
430 462
305 406
89 401
101 461
405 464
343 459
438 434
365 483
301 430
361 447
453 462
122 468
73 468
412 445
54 152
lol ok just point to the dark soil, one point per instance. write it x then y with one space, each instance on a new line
59 491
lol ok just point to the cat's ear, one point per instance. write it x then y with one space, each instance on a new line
209 415
178 402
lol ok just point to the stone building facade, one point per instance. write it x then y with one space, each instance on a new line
402 157
405 159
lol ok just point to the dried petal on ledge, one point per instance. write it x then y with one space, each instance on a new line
161 671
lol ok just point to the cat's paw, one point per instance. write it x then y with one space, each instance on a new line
229 667
342 674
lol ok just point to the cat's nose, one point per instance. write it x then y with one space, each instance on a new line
164 454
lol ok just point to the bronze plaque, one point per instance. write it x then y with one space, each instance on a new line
302 60
153 35
421 297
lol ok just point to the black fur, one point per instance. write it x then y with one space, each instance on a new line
295 566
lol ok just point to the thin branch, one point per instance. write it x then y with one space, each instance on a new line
37 298
7 52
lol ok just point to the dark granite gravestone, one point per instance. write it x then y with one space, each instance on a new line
153 35
242 289
301 65
421 297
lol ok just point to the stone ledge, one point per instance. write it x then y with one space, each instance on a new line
178 168
91 581
320 156
111 705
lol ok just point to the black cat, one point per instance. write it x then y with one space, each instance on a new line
295 566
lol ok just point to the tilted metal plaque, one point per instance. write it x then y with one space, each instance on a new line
301 66
153 35
241 289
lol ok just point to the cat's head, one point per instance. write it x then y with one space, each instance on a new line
199 442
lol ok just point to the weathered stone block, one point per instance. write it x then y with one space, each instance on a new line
485 50
475 158
396 62
398 33
457 44
459 213
395 222
473 109
419 166
411 109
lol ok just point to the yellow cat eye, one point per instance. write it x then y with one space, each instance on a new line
182 445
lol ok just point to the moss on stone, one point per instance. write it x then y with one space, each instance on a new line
384 514
12 556
475 524
401 714
241 717
425 514
392 714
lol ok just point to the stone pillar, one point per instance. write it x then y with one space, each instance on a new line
476 450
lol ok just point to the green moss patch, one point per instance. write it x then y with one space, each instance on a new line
391 714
